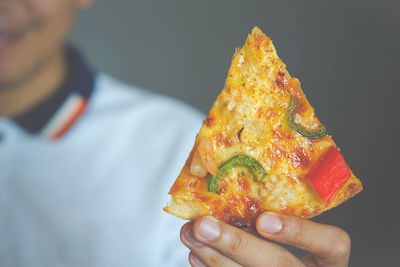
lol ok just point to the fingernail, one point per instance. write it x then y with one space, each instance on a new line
209 229
190 237
270 224
196 261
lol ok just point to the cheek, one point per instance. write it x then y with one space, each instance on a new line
49 23
56 18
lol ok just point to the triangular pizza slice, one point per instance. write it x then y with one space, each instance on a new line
261 148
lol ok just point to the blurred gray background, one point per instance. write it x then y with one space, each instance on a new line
345 53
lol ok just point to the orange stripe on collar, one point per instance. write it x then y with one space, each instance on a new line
64 119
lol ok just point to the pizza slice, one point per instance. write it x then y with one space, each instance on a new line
261 148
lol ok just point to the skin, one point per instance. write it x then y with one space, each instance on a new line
32 66
32 61
328 246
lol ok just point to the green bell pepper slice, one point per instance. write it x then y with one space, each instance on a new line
321 132
239 161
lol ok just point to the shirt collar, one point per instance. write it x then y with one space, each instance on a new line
55 116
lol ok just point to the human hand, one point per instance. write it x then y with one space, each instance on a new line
214 243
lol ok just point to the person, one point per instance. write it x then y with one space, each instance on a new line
86 162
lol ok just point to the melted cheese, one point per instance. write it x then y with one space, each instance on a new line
249 118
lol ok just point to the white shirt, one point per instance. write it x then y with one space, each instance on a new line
95 196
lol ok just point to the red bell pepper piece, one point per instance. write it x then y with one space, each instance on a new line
330 174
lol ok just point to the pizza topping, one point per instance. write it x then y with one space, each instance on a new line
239 133
239 161
207 155
281 81
196 167
293 106
330 174
209 121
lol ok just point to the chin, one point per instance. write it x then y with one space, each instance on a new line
17 62
11 77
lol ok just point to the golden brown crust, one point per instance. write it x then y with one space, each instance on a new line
249 117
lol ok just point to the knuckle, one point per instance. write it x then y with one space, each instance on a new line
284 259
235 243
340 244
299 233
216 259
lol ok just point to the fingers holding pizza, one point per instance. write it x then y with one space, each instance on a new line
214 243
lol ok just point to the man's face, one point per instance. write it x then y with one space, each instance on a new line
31 32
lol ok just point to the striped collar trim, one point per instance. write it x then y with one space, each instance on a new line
56 115
65 117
